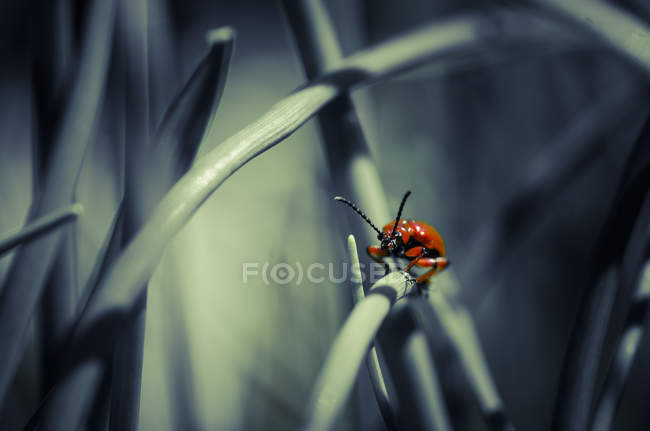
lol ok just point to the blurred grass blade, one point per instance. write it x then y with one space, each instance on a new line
627 34
351 168
168 159
177 133
424 378
601 308
53 47
40 226
25 281
163 45
190 115
132 30
315 35
619 371
59 303
338 375
108 252
183 395
458 327
410 362
576 148
372 360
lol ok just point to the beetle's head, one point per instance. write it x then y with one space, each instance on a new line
390 241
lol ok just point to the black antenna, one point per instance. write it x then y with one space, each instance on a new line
399 213
361 213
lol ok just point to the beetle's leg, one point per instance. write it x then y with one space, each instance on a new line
412 252
437 264
377 254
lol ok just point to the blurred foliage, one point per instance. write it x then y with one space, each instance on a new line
462 142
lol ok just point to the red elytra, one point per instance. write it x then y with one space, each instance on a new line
413 240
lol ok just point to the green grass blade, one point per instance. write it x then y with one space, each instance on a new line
39 227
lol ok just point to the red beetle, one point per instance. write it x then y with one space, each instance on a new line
413 240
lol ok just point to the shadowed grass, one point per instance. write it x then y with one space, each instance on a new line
25 280
133 56
604 304
189 114
457 325
575 149
619 371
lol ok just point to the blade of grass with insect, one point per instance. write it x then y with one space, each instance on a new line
339 126
25 281
596 315
398 54
123 283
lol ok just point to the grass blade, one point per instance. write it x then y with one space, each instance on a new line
458 327
132 35
627 350
410 362
600 304
180 135
189 117
576 148
181 132
339 126
40 226
338 375
628 35
372 360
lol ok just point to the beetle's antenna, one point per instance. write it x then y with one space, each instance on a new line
358 211
399 213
